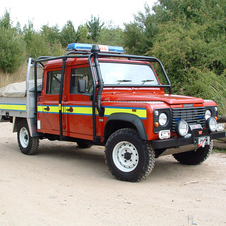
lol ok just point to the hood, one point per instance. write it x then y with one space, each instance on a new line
167 98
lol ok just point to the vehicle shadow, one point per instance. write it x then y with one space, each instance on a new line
70 151
166 167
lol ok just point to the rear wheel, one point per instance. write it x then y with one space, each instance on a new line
27 144
194 157
129 157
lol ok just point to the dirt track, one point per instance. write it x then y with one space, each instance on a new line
64 185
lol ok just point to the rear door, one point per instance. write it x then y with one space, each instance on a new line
48 106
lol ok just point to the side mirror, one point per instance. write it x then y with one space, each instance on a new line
81 85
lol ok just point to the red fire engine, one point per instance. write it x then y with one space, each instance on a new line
97 95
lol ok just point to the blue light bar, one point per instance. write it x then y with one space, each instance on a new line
88 47
79 47
116 49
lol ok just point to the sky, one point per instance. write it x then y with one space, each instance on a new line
49 12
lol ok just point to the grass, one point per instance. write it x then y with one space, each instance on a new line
18 76
219 150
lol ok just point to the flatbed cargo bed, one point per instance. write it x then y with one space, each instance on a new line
17 99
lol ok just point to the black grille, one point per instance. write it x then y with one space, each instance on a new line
190 115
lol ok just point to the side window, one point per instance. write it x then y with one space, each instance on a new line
53 82
81 73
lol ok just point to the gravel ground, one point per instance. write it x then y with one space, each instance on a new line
65 185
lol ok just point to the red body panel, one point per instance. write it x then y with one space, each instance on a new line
77 108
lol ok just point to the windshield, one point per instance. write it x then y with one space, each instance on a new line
128 74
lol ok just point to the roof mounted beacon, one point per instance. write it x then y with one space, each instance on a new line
87 48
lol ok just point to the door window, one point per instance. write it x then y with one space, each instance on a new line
53 82
81 73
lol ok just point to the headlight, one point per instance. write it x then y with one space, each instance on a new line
163 119
182 128
212 124
208 114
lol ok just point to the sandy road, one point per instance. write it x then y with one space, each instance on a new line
64 185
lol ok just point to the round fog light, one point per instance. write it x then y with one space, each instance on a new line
212 124
182 128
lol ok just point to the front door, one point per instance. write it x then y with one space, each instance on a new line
78 107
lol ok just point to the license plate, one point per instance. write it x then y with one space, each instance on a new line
203 141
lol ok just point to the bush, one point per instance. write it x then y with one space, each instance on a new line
12 50
37 45
207 85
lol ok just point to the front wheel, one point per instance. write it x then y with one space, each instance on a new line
128 157
27 144
194 157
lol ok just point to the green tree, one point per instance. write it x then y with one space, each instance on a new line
189 37
94 27
12 46
5 21
51 34
37 45
191 42
140 33
82 33
111 35
68 34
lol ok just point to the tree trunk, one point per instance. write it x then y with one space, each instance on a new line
219 145
221 119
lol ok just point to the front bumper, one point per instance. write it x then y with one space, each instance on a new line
177 142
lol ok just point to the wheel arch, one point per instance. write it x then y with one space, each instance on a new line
16 122
30 122
124 120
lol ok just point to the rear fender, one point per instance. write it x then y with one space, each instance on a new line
31 125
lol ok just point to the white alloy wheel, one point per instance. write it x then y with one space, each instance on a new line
27 144
125 156
129 157
24 137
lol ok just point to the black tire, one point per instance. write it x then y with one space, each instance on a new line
194 157
83 144
27 144
128 157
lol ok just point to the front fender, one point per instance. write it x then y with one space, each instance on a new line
129 118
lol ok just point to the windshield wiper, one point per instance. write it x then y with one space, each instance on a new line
148 80
123 80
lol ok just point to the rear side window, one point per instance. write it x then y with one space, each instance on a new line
53 82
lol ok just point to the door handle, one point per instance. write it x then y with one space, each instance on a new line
70 109
47 108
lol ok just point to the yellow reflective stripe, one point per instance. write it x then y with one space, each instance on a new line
40 108
52 109
13 107
140 112
87 110
78 110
